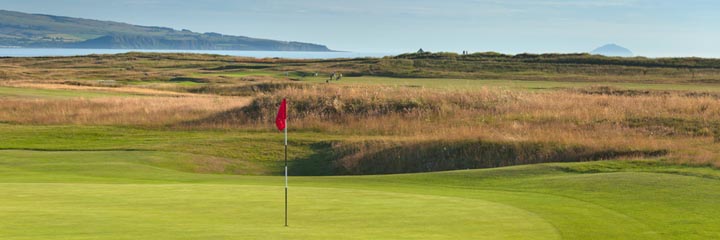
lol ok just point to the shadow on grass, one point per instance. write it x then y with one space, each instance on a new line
429 156
320 163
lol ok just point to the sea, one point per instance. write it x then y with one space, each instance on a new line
62 52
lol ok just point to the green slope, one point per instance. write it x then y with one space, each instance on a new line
143 195
38 30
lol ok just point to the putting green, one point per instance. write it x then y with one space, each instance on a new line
142 195
207 211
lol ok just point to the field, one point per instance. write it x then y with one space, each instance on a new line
435 146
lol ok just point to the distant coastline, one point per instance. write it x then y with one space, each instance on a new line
67 52
49 31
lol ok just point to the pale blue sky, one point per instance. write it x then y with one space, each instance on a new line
649 28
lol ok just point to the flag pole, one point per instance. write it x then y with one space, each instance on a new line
286 174
281 124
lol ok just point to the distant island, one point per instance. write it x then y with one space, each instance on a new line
23 30
613 50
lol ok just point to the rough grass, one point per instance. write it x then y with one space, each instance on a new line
499 82
312 104
89 88
18 92
627 117
603 122
382 157
599 123
559 67
250 89
549 67
140 111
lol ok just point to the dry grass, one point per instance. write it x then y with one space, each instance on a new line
408 111
645 122
593 124
682 124
380 122
144 111
58 85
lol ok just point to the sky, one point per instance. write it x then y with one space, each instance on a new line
653 28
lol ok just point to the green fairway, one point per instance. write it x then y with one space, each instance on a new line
164 83
243 73
150 195
253 152
470 84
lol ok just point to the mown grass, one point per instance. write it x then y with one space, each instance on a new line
241 73
184 83
258 151
61 195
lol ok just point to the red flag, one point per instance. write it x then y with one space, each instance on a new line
281 118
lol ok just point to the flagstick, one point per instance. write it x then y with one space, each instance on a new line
286 175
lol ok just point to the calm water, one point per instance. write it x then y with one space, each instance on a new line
52 52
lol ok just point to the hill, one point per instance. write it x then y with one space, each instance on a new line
46 31
613 50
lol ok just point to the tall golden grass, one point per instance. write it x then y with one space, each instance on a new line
382 122
683 125
62 85
404 110
144 111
